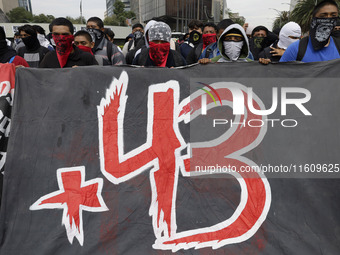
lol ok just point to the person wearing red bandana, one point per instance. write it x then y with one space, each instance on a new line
159 53
66 54
209 37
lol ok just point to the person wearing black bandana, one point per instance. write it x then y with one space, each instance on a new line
33 52
138 36
7 54
319 45
195 37
261 38
110 53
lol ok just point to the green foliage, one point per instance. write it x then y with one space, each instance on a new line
20 15
79 20
42 18
111 21
120 15
281 20
302 13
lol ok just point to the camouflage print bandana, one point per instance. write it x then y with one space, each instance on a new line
160 31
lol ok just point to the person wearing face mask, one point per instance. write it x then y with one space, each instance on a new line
8 54
66 53
138 35
261 38
33 52
319 45
195 37
233 45
336 32
42 37
208 37
111 53
290 33
159 53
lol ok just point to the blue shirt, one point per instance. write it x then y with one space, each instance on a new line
311 55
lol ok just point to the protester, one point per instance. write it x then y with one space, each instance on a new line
110 35
195 37
32 52
208 37
141 44
66 54
290 33
8 54
336 32
233 45
42 37
138 35
83 40
319 45
212 50
110 53
159 52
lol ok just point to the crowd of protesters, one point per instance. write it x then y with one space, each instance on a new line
153 44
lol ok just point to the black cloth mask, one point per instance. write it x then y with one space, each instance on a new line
320 31
31 42
6 52
195 37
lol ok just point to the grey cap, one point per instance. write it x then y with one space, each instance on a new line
160 31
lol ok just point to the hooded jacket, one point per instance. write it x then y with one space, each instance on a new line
245 49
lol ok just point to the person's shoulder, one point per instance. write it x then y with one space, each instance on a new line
19 61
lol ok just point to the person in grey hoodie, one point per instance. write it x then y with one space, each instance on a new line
233 45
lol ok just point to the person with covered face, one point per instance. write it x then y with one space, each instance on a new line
111 53
290 33
66 53
32 52
233 46
159 53
319 45
195 37
138 35
8 54
261 38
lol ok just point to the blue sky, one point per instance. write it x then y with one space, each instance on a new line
256 12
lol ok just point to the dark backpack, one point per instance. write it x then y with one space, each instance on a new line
304 43
109 51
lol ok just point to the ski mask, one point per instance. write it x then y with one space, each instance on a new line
290 29
195 37
320 31
232 49
64 47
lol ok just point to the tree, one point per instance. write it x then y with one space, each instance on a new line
20 15
42 18
281 20
302 13
111 21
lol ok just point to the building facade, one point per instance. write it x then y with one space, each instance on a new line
176 13
7 5
26 4
110 7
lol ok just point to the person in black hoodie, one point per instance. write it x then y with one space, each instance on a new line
33 52
261 38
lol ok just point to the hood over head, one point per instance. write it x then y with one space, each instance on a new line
290 29
239 30
146 29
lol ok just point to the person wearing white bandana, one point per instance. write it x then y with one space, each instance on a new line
319 45
233 45
290 33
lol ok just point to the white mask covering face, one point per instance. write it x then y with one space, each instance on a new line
233 49
290 29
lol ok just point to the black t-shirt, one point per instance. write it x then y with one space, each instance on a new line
77 58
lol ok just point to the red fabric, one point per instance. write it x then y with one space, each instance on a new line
208 39
19 61
64 47
159 53
85 48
